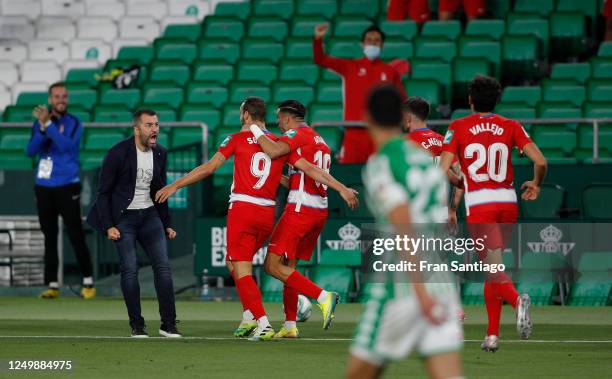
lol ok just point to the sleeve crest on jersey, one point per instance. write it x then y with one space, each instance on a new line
290 133
448 137
225 141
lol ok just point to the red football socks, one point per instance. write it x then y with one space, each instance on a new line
303 285
250 297
244 308
290 303
494 308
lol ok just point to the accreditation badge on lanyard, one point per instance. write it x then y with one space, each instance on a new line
45 168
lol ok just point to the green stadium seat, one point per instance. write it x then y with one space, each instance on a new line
169 71
559 90
396 48
558 110
305 26
329 92
230 118
340 258
102 138
165 114
345 48
162 93
362 8
201 113
487 28
15 160
325 8
82 97
460 113
189 32
579 72
81 113
519 54
299 91
207 93
596 204
479 47
598 109
262 49
601 68
129 97
326 112
83 75
605 50
516 111
539 276
213 71
18 113
299 48
405 30
350 26
547 206
15 139
90 160
225 131
434 47
175 49
270 28
499 8
240 10
256 71
332 136
522 94
111 113
32 98
428 89
185 135
219 49
586 7
464 70
593 288
518 24
446 29
223 27
279 8
141 54
296 70
541 7
340 280
330 76
240 91
568 34
599 90
438 71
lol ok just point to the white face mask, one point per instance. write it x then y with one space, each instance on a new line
371 51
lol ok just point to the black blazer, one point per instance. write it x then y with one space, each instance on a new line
118 184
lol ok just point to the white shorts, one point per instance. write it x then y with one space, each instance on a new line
390 328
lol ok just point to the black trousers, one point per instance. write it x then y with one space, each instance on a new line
64 201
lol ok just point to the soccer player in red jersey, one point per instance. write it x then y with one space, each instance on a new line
296 233
483 142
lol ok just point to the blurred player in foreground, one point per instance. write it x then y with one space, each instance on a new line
296 233
404 313
483 143
250 218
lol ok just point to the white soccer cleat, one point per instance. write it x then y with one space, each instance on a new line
490 343
524 326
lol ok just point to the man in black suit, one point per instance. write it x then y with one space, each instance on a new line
132 172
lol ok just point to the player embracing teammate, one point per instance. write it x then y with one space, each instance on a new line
483 143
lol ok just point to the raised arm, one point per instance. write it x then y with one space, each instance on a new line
338 65
349 195
199 173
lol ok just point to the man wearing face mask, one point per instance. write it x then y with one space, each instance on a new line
359 77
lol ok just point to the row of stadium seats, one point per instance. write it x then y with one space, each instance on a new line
539 277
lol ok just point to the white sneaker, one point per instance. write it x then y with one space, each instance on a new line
490 343
524 326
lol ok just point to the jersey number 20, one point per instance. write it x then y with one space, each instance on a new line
496 159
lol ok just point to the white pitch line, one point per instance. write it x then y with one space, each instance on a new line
299 339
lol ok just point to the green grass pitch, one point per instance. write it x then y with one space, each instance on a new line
568 342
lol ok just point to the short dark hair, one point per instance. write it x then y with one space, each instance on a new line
56 85
373 28
485 93
136 115
385 106
417 106
293 107
256 107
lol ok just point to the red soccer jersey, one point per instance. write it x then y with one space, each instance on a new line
428 140
483 145
305 194
256 176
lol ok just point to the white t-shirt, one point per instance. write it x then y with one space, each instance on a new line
144 175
